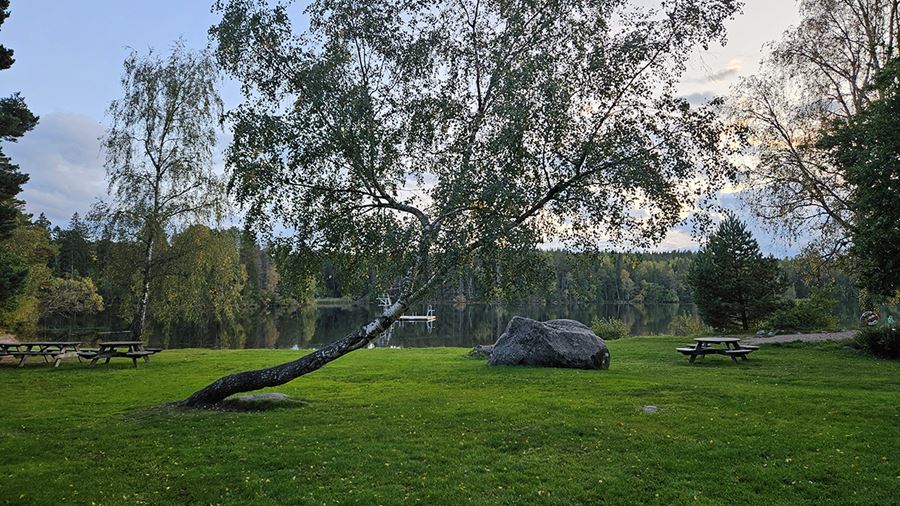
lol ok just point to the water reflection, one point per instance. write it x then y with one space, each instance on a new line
456 325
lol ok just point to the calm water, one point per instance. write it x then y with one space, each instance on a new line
456 325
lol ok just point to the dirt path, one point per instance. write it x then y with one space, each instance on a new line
824 336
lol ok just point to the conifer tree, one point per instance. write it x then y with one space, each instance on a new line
15 121
734 285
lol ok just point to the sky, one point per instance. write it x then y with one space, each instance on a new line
69 62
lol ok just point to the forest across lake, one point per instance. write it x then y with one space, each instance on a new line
462 325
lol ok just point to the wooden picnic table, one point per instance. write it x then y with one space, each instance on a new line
113 349
704 346
46 349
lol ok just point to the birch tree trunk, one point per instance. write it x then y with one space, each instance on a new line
278 375
137 324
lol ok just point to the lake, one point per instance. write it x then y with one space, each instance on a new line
462 325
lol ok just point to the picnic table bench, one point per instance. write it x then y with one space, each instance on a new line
124 349
704 346
55 350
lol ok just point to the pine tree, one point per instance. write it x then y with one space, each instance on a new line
76 252
15 121
733 284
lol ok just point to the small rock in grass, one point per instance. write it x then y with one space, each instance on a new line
266 397
650 409
481 351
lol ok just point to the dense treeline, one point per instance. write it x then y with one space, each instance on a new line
562 277
209 280
213 281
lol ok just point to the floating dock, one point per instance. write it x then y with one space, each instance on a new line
429 316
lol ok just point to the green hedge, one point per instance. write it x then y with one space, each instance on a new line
813 313
609 329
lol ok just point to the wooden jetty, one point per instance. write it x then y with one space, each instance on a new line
429 316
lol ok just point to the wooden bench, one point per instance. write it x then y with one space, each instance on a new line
734 354
23 355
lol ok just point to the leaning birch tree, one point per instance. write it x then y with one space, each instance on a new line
422 133
159 155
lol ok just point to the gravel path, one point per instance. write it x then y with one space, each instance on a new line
824 336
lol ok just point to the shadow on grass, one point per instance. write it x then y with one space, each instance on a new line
253 406
709 363
227 406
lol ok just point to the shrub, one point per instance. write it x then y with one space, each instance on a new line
879 340
689 325
609 328
813 313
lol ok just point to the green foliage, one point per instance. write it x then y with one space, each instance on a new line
879 340
202 289
813 313
31 243
263 279
159 156
15 120
821 69
401 142
13 273
866 148
689 325
734 285
76 252
783 416
609 329
68 297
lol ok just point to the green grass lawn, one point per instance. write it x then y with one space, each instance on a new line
797 424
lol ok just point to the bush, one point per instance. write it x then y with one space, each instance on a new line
879 340
609 328
689 325
813 313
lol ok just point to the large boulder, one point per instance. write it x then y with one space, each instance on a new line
555 343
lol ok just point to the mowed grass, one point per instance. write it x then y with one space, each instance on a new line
797 424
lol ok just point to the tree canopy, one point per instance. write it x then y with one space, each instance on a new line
450 126
414 134
159 151
866 148
15 120
820 71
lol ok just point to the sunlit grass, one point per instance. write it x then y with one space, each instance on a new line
811 424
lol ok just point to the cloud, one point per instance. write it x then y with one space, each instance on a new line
726 73
699 98
62 157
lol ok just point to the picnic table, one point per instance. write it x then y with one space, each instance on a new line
704 346
124 349
46 349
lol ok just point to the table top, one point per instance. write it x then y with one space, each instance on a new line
717 339
121 343
51 343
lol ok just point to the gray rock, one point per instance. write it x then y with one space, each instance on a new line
650 409
556 343
266 397
481 351
761 332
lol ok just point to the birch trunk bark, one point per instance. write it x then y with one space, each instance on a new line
137 324
278 375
